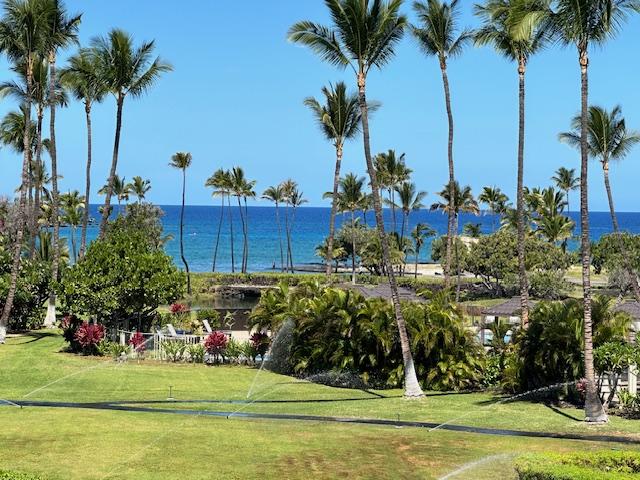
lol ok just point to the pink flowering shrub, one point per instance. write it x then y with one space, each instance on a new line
137 341
88 336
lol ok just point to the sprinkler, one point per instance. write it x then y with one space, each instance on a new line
170 393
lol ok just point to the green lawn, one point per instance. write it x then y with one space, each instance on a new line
91 444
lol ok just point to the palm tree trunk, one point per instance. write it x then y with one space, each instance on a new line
87 189
457 253
287 229
594 411
36 202
411 385
415 274
215 251
184 260
450 224
334 208
233 255
280 235
522 268
392 199
114 165
293 217
17 246
246 235
353 247
73 243
616 230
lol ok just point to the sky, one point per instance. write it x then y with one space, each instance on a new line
236 95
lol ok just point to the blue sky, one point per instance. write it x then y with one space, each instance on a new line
235 98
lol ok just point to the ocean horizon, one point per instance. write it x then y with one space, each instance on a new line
310 228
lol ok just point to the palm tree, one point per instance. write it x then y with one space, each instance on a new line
462 202
139 187
295 199
363 36
555 228
120 188
21 38
182 161
566 180
339 119
242 189
349 199
473 230
517 30
495 200
420 233
581 23
438 35
410 201
72 205
219 181
126 71
391 171
275 194
82 78
608 139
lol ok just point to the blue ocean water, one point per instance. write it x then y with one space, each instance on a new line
310 227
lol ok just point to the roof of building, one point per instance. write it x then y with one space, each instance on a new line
631 307
384 291
509 308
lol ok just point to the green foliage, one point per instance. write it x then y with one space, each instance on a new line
548 284
113 349
173 350
211 315
605 465
606 253
196 353
123 276
4 475
234 351
438 253
335 329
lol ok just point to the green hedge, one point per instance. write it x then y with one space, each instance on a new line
606 465
18 476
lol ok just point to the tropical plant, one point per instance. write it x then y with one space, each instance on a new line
139 187
567 181
127 71
72 206
420 233
473 230
182 161
391 171
242 188
275 194
495 200
410 201
339 119
219 182
89 335
364 36
120 188
215 345
293 198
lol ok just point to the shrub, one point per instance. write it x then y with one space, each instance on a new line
89 335
210 315
4 475
234 351
174 350
215 345
196 353
549 284
113 349
138 342
260 344
177 308
605 465
70 325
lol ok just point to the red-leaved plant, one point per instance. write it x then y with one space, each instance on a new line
88 336
176 308
216 343
260 343
137 341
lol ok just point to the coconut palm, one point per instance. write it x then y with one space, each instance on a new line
22 38
555 228
420 233
219 181
391 171
294 198
463 201
363 36
82 78
339 119
438 34
127 71
120 188
275 194
495 200
581 23
473 230
517 30
410 200
72 205
566 180
182 161
242 189
349 199
139 188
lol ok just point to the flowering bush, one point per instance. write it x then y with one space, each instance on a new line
176 308
69 326
215 344
89 336
138 342
260 343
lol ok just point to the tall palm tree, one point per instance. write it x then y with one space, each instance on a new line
120 188
339 119
349 199
391 171
581 23
294 198
61 31
439 35
127 71
462 202
555 228
495 200
219 181
363 36
21 39
410 200
420 233
82 78
275 194
516 29
139 188
72 205
243 189
608 139
567 181
182 161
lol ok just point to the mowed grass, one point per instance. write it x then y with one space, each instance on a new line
91 444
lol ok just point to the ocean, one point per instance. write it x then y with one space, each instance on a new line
310 227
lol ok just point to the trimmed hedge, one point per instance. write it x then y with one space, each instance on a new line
606 465
18 476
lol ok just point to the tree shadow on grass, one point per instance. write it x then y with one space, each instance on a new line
563 414
31 337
